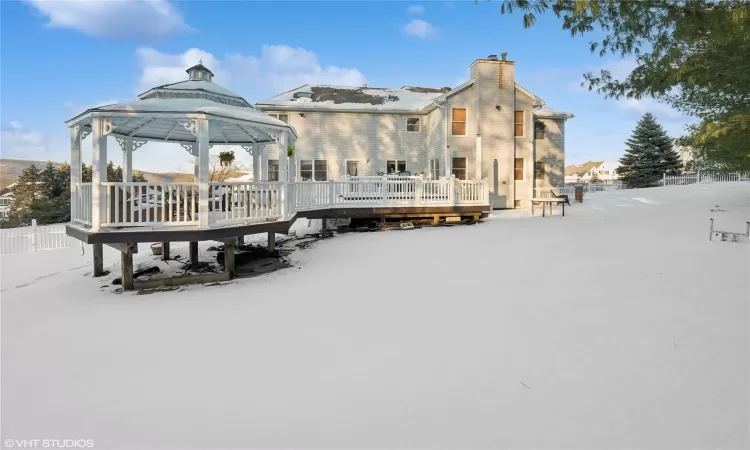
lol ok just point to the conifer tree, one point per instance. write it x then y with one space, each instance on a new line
649 156
24 193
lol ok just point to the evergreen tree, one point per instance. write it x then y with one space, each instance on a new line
52 184
138 177
24 192
51 210
63 176
649 156
85 173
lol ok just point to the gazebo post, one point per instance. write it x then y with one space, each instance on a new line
201 133
283 172
75 168
127 161
257 149
98 173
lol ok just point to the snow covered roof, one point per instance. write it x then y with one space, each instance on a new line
582 169
190 85
549 113
352 98
158 113
191 105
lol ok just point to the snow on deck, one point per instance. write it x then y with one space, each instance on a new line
439 337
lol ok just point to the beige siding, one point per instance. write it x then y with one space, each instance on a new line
338 137
524 189
495 86
463 146
551 151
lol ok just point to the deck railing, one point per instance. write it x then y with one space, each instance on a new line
244 201
148 204
80 204
177 204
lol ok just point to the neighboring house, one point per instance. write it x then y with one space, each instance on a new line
489 127
5 201
603 171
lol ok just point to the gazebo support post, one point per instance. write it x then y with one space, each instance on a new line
98 260
98 173
202 141
193 255
165 251
256 162
271 241
126 262
127 161
283 173
75 168
229 266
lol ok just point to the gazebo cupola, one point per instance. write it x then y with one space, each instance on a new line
199 72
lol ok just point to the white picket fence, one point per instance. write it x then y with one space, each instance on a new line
35 238
704 177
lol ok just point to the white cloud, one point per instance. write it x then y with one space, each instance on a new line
135 18
277 68
19 142
415 9
419 28
647 104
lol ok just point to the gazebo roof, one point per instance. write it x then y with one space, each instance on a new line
161 113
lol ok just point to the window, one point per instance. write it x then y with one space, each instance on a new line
412 124
539 130
282 117
321 170
519 169
435 168
518 124
392 166
313 170
459 122
539 170
604 172
352 168
458 168
273 170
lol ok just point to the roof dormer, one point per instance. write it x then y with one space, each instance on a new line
200 72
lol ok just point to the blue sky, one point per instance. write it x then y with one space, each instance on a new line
59 58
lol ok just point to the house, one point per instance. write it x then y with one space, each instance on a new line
592 171
489 127
5 201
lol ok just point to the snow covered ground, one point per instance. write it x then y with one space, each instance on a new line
618 326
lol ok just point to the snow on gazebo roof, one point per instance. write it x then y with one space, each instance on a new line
159 112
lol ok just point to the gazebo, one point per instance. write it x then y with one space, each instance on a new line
195 114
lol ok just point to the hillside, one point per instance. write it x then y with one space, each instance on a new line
10 169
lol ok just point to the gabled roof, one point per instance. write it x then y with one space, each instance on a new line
583 169
549 113
407 99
